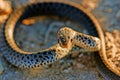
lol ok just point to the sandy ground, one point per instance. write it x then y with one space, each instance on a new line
73 67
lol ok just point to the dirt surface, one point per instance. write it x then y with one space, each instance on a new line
74 67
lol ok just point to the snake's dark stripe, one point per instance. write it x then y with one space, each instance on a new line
47 8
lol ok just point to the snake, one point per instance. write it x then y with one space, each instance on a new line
67 37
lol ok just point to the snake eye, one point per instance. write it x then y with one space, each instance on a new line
63 40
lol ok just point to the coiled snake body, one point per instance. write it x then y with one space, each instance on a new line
67 38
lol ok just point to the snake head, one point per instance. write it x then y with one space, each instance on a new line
64 37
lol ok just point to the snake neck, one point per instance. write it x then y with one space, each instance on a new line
88 43
61 52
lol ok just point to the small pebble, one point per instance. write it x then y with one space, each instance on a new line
74 54
79 65
67 70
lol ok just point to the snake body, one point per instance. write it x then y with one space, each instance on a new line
23 59
67 38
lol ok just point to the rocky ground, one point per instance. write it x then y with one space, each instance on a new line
73 67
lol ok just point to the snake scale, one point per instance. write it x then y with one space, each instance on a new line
67 38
